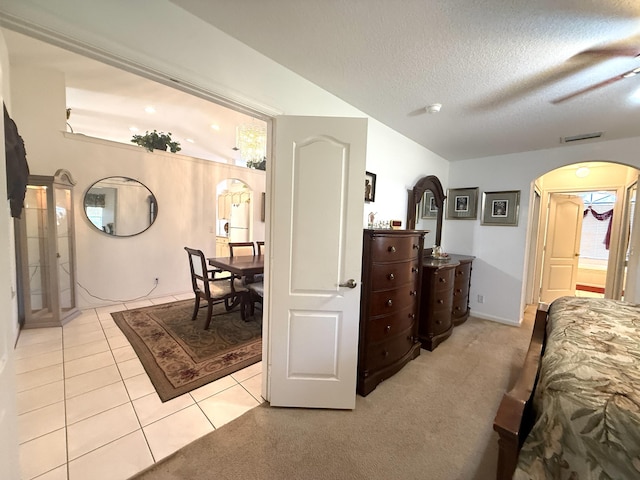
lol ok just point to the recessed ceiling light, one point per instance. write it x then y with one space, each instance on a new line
133 129
190 140
215 127
433 108
150 109
582 172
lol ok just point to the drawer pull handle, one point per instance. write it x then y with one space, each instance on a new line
392 249
389 303
442 280
412 315
438 322
458 290
440 301
457 308
385 353
414 269
416 247
412 293
387 328
392 276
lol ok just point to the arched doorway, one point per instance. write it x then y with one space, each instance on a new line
234 214
605 191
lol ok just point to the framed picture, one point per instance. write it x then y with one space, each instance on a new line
369 187
428 207
500 208
462 203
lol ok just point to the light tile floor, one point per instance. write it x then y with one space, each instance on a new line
87 409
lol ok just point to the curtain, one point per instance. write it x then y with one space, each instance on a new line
608 215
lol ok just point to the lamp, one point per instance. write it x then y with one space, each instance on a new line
251 140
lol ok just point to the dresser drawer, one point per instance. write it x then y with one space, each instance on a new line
440 299
379 355
439 321
460 307
394 249
441 279
463 274
387 276
390 301
382 328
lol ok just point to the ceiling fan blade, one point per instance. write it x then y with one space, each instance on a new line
613 52
596 86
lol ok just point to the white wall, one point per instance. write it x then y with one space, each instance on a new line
499 268
112 269
8 418
398 164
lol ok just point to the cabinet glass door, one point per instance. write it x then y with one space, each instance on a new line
39 301
64 228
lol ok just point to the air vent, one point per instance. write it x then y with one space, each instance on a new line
584 136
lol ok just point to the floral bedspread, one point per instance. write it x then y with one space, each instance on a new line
588 395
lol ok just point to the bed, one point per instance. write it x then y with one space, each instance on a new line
574 411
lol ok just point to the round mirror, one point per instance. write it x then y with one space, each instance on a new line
120 206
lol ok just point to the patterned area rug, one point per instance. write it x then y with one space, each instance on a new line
179 355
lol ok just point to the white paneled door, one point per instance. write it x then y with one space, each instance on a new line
562 247
317 201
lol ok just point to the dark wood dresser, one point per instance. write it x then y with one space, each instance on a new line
391 277
444 297
462 282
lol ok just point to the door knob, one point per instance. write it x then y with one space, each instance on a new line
351 283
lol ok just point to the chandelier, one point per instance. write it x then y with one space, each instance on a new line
251 141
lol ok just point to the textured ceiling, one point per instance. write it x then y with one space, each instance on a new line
494 65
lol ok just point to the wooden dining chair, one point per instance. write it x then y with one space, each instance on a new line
255 295
260 246
241 248
213 290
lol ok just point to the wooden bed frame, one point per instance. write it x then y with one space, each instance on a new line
516 415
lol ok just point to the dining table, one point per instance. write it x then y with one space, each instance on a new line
241 265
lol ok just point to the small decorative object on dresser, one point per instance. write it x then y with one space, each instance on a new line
391 276
444 297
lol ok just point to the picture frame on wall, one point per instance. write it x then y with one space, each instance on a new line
428 206
501 208
462 203
369 187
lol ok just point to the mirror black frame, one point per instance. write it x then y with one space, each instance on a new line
153 207
430 182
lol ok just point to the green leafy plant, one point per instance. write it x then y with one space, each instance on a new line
258 164
156 141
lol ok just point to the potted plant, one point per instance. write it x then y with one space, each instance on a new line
156 141
258 164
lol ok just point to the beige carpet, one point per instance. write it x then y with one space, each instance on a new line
432 420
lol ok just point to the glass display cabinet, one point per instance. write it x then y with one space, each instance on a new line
46 252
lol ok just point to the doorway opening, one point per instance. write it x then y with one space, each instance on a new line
583 231
595 241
